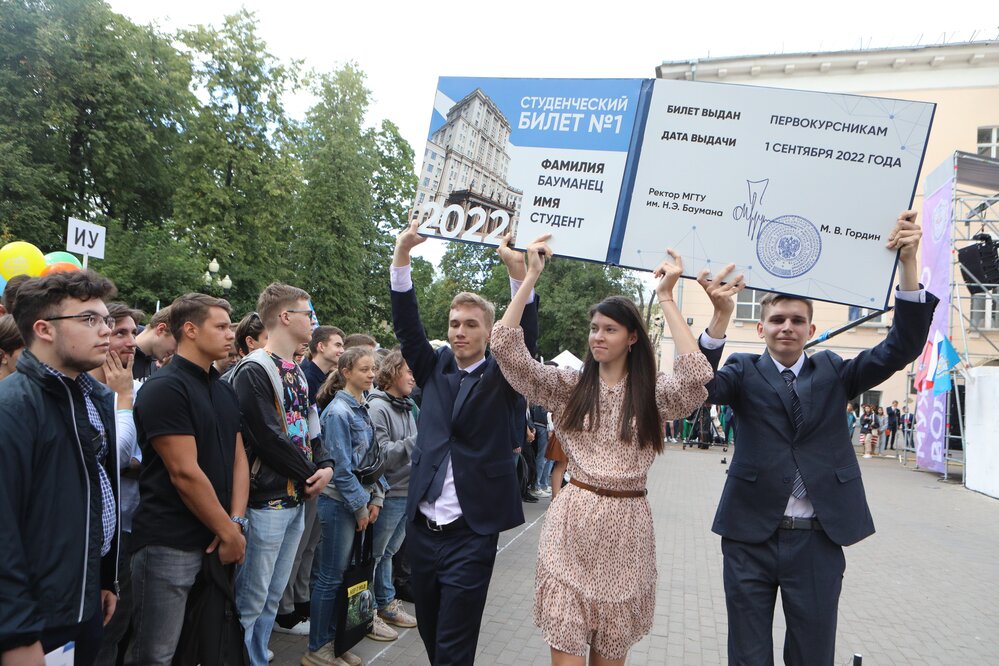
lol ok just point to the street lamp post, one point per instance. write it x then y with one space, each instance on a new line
211 279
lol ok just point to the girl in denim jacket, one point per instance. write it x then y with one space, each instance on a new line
351 501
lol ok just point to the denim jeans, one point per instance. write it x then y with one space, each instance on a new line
541 442
162 578
338 526
389 531
271 543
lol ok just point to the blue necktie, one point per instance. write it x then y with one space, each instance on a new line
799 483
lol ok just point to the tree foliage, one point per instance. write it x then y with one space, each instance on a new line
181 145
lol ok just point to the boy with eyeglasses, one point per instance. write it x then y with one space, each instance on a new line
288 463
58 474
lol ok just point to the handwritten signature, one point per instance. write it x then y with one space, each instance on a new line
752 210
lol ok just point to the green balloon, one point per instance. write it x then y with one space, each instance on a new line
60 257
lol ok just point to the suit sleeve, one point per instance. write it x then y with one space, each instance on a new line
412 336
724 386
902 346
262 431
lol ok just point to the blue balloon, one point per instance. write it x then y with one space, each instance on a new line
3 284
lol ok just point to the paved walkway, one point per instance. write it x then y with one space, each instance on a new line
923 590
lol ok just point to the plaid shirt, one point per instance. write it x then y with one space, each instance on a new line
108 508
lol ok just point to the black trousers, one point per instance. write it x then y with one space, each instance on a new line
451 572
808 568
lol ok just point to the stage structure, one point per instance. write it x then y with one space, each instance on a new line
960 225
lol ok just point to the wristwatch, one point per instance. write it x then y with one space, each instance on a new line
243 523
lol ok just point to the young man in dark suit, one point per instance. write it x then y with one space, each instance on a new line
463 488
794 496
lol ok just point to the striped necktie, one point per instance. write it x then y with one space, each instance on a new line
799 483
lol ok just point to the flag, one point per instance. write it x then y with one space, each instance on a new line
924 377
312 315
947 358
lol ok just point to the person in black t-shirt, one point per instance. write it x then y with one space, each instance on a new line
195 478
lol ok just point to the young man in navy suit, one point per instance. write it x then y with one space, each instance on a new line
463 488
794 496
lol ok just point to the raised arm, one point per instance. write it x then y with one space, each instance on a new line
514 262
406 321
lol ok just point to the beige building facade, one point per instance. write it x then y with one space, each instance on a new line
963 80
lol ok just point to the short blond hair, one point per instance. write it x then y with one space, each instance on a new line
468 298
275 299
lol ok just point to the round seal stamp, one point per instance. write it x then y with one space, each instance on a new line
788 246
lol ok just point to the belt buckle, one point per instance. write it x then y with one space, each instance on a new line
433 526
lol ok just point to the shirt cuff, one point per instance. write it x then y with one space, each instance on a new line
515 287
708 342
918 296
401 277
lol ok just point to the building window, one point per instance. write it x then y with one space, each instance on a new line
747 304
433 155
988 141
426 182
856 313
985 311
420 200
430 168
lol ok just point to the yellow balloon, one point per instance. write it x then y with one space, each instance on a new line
19 258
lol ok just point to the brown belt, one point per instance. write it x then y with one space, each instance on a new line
606 492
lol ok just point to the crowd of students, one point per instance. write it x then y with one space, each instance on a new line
195 468
879 428
171 495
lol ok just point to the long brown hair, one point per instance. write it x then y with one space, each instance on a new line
583 406
336 381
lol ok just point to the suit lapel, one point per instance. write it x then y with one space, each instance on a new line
805 389
466 388
765 365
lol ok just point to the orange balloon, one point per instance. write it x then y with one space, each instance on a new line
61 267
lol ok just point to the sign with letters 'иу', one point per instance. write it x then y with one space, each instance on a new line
85 238
798 189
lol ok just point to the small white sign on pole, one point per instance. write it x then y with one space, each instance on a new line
86 239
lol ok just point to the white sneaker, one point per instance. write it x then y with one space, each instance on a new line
541 492
300 629
270 656
350 659
868 455
381 631
322 657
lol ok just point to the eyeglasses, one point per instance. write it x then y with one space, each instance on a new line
88 318
300 311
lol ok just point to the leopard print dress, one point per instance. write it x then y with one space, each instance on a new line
596 575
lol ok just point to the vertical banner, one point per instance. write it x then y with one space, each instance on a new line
931 408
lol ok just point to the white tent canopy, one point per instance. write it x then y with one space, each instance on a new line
568 360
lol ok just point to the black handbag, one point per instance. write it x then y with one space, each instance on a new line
212 633
355 602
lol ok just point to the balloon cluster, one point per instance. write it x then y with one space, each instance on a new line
21 258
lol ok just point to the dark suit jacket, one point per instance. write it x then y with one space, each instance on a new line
481 424
768 449
892 415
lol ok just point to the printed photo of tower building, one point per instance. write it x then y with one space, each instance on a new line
467 161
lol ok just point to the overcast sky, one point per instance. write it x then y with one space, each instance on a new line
403 46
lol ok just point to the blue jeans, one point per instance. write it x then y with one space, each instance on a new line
389 531
338 524
271 543
162 578
541 463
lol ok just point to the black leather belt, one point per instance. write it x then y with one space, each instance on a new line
440 529
793 523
